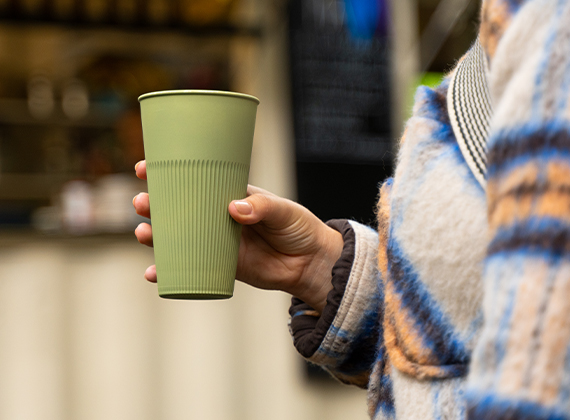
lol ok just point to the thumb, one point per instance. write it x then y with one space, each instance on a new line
273 211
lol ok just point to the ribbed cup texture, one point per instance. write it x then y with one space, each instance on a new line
196 242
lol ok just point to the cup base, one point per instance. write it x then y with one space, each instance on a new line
195 296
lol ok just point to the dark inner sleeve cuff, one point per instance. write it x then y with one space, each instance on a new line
307 327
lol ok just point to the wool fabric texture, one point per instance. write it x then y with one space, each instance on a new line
458 307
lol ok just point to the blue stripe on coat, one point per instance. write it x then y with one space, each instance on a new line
429 321
493 407
361 359
535 235
512 147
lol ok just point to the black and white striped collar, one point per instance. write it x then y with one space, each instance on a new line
470 109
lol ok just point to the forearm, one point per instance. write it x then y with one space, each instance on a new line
315 282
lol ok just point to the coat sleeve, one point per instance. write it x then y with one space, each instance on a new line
520 368
344 338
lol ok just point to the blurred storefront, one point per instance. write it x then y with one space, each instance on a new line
71 72
82 335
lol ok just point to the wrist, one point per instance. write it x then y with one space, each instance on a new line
315 282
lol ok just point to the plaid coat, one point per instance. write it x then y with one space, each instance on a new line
459 305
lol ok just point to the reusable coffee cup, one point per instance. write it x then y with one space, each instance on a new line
198 151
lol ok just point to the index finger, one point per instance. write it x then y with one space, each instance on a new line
140 169
252 189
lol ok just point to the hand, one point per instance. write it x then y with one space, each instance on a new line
283 245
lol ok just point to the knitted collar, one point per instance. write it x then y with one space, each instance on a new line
470 110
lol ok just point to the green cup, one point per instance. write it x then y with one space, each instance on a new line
198 152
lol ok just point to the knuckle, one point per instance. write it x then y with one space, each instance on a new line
264 203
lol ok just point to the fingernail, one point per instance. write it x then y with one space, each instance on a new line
137 165
243 207
134 199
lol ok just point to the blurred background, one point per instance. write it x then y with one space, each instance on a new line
82 335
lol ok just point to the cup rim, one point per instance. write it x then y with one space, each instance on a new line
197 92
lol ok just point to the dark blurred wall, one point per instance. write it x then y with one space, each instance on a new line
340 70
